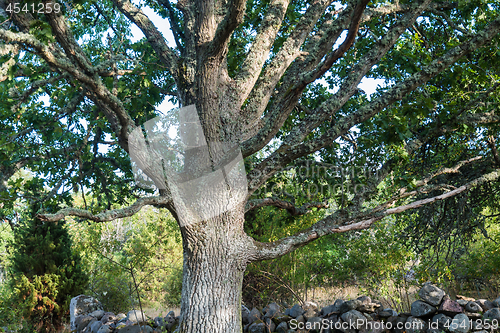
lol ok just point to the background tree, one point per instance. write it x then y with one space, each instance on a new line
45 273
74 87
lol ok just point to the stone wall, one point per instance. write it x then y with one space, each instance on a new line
435 312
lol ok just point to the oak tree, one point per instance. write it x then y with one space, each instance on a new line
277 79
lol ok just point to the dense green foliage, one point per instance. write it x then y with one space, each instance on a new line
45 273
379 262
132 257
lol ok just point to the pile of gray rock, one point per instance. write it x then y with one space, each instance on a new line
435 312
88 316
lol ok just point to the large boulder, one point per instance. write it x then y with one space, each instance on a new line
338 304
108 317
364 299
296 311
485 304
282 328
137 316
245 315
159 322
95 325
372 327
422 309
460 324
313 325
349 305
279 318
386 313
491 315
431 294
449 307
331 309
310 305
415 325
271 310
496 302
254 315
170 321
105 329
81 322
82 305
270 325
136 329
257 328
310 313
441 322
328 310
354 317
397 324
97 314
473 307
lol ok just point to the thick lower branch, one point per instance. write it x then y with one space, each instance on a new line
110 215
363 220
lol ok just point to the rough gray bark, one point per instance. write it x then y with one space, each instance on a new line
215 258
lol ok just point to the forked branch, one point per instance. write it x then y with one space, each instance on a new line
363 220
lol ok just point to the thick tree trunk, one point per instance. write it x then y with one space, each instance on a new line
214 264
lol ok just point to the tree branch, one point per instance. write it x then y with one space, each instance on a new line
174 25
339 52
493 147
270 76
289 95
448 20
350 84
290 151
261 47
362 220
110 215
233 18
65 38
123 126
35 86
154 37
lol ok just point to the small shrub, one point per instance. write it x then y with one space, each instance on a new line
45 272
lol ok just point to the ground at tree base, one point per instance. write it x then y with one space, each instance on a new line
434 312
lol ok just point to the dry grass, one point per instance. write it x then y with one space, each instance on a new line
399 300
326 296
161 311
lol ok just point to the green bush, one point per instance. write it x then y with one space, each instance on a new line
45 273
10 316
